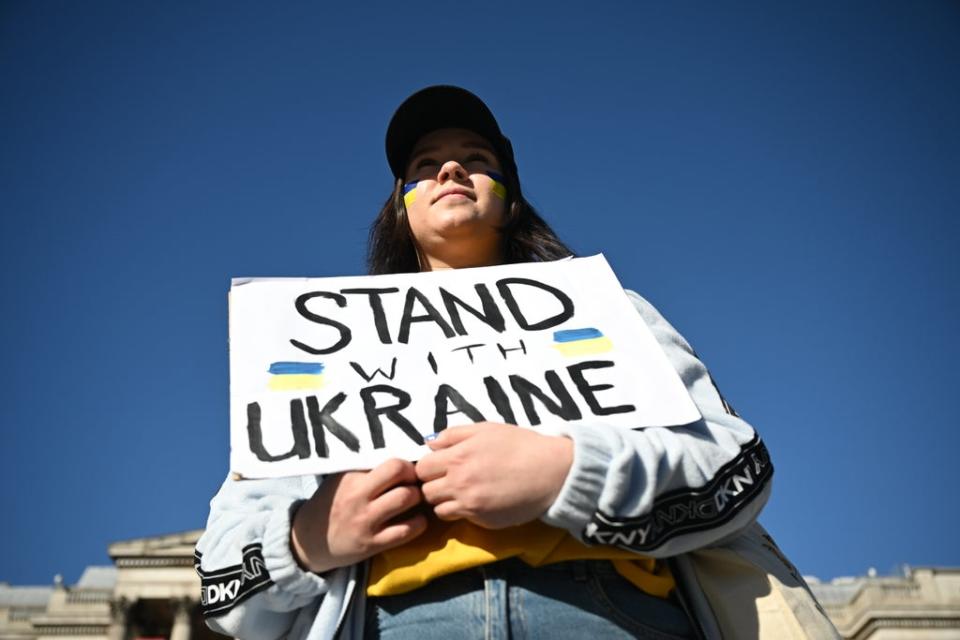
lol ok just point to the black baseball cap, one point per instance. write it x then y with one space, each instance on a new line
442 107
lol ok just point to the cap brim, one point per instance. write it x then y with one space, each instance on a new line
437 107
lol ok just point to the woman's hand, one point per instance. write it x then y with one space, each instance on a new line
495 475
352 516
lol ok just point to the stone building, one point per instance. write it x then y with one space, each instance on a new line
922 603
151 592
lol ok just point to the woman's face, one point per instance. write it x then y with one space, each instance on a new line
453 204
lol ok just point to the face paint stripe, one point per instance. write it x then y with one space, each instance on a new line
410 193
499 189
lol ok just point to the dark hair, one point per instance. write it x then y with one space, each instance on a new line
526 236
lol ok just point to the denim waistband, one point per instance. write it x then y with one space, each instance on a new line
573 568
509 598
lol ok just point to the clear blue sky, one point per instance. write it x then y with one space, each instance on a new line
781 182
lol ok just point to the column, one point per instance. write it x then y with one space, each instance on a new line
119 616
181 619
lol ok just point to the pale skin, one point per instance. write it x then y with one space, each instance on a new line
492 474
456 215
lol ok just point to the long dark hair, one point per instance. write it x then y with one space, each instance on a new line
525 235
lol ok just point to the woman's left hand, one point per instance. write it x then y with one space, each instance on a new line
494 475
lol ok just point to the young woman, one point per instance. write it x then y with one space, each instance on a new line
498 531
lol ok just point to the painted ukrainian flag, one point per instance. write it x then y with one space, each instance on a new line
499 187
410 193
293 376
581 342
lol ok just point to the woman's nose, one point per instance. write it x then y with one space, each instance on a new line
451 170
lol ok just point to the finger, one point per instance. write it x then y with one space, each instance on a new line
449 510
436 491
389 474
432 466
394 502
452 435
398 533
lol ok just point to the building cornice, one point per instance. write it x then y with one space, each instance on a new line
153 562
71 630
914 624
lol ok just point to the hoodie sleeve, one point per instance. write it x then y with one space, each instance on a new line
665 490
252 586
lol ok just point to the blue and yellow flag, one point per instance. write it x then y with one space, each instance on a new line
294 376
581 342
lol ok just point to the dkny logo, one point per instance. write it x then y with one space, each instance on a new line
678 512
253 567
214 593
223 588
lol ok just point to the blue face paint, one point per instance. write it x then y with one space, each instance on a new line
410 192
499 185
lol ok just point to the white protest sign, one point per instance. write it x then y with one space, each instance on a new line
332 374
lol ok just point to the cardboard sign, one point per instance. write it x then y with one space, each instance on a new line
333 374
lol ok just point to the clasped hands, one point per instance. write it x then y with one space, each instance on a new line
494 475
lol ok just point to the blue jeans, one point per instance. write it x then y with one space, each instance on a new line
509 599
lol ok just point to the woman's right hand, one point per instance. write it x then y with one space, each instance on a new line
352 516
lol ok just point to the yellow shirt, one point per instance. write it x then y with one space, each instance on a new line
448 547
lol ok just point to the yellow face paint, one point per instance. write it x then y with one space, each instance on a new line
410 193
499 188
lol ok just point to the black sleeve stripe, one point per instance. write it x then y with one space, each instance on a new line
213 574
198 557
753 448
223 589
688 510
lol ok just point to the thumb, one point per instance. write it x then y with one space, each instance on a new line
451 436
